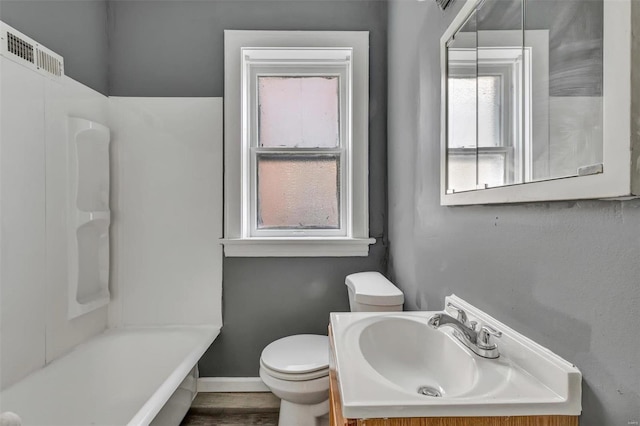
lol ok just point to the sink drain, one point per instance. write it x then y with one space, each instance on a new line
429 391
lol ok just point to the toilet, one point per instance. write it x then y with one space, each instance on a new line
296 368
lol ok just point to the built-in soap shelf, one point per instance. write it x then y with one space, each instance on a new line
89 216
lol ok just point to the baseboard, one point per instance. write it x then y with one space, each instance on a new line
231 384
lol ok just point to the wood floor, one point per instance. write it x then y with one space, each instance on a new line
233 409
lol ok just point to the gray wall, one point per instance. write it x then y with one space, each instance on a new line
77 30
175 48
564 274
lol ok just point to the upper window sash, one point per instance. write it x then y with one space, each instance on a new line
250 99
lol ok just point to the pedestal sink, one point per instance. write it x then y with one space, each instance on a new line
396 365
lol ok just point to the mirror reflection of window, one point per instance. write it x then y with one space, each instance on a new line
490 101
487 114
462 114
462 117
462 68
465 94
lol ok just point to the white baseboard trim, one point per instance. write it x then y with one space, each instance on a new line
231 384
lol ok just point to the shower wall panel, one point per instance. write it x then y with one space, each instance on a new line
22 215
69 99
33 214
166 204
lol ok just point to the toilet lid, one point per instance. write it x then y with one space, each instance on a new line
302 353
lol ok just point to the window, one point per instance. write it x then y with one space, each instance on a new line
296 141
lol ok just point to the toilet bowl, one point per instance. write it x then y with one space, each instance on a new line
296 368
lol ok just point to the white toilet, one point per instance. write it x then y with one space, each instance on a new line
296 368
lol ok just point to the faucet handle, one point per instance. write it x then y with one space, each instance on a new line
461 314
484 336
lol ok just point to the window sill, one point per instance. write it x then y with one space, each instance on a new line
298 247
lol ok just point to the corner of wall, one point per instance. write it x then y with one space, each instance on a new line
109 17
635 97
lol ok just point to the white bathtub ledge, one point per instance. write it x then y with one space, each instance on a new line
123 376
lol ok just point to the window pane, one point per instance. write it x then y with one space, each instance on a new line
298 112
461 171
298 191
491 168
463 103
462 113
489 110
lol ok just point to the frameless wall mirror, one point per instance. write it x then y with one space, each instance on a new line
524 92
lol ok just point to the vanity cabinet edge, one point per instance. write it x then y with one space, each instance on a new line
335 404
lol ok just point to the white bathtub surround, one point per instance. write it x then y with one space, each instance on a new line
22 251
33 186
69 99
88 215
122 377
166 274
167 206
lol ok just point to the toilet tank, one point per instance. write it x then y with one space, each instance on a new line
372 292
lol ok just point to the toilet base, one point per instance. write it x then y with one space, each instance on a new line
302 403
304 415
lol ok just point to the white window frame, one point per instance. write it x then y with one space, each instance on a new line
249 54
308 62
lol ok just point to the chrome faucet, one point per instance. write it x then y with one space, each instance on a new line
479 342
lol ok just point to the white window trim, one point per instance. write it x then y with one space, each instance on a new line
237 241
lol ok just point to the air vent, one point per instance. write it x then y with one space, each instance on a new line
25 51
19 47
48 63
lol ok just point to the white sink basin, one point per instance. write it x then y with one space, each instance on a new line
395 365
411 355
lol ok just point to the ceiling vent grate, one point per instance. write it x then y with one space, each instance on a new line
25 51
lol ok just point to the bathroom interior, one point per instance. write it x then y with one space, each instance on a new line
345 212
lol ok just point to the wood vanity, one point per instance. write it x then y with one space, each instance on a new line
337 419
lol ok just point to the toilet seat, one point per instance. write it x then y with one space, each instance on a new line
293 377
297 358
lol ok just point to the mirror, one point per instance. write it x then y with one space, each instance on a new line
523 87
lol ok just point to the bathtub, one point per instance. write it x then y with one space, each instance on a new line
125 376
